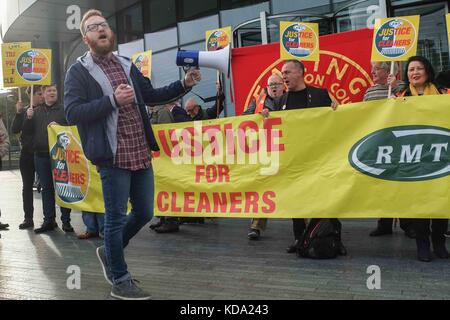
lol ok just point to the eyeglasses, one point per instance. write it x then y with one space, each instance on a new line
94 27
271 85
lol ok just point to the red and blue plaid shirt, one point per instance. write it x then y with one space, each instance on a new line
133 152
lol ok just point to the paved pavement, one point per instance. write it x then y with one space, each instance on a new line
211 261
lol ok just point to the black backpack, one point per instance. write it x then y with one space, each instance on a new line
321 239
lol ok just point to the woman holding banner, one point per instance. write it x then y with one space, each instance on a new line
420 77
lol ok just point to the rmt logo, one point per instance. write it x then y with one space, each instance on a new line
406 153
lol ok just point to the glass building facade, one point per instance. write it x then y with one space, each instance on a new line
169 25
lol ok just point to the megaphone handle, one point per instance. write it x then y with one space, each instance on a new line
186 69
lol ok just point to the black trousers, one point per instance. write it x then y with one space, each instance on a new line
386 223
27 172
299 227
437 231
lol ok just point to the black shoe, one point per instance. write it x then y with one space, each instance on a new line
441 251
380 232
253 234
26 224
423 250
342 251
167 228
46 227
410 233
4 226
158 224
67 227
293 247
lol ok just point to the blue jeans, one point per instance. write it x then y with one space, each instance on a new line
44 170
95 222
118 186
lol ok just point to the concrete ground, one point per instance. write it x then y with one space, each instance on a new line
211 261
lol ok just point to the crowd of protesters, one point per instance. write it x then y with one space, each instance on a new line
106 97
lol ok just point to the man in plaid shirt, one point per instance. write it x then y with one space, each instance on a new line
106 97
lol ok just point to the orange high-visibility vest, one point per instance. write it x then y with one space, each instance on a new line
260 102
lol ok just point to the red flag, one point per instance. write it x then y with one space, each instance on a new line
344 68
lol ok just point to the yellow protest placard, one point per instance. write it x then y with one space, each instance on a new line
299 40
77 182
143 62
10 51
382 158
218 38
34 67
395 39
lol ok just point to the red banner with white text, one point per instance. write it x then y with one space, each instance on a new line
344 68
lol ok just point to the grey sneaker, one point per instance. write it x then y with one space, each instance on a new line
102 258
128 290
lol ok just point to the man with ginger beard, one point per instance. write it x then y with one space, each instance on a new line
106 97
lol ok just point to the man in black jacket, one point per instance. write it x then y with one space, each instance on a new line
35 125
26 161
301 96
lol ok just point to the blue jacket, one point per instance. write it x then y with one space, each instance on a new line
89 104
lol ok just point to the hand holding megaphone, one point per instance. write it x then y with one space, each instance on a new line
193 76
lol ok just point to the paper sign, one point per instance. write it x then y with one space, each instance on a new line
299 41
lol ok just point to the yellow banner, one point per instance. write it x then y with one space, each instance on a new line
218 38
77 182
395 39
143 62
299 40
10 52
386 158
